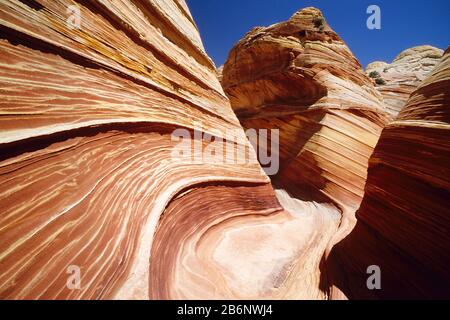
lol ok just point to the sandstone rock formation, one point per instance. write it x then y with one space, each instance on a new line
90 185
86 168
299 77
404 222
404 74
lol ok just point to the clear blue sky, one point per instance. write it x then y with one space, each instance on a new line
404 24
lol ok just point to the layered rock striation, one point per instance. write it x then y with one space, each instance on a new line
96 204
403 222
87 169
299 77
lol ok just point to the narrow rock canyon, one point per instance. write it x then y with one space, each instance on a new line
92 183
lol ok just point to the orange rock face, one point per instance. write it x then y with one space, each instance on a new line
86 167
403 222
299 77
96 204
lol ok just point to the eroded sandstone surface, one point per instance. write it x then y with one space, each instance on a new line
86 118
299 77
89 180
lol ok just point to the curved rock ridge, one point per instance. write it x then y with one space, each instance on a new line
233 248
151 44
404 222
97 205
298 76
404 74
87 165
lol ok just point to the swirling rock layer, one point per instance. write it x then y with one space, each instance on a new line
403 222
86 166
251 249
299 77
88 179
